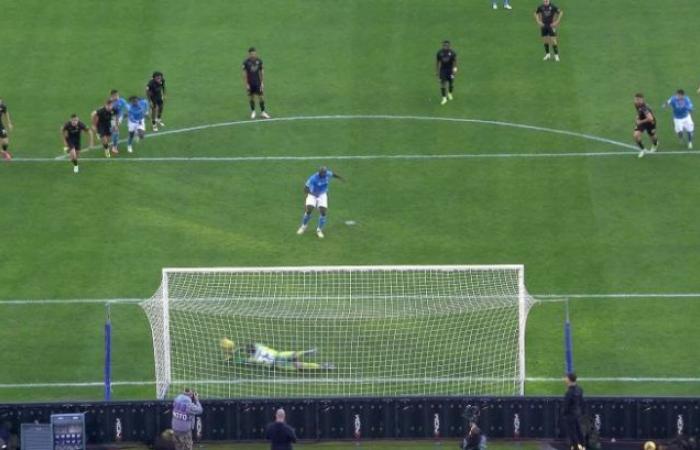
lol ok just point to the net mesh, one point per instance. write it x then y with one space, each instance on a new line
309 332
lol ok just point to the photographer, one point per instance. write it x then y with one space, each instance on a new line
185 407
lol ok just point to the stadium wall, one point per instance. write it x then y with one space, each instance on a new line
386 418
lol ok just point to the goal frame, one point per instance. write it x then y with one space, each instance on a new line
162 386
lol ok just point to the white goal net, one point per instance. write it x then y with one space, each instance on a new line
340 331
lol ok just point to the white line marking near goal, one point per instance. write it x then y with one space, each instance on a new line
620 379
98 301
536 296
620 295
500 123
354 381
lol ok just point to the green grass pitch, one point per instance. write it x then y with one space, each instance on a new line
581 224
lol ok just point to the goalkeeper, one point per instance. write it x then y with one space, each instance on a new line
264 356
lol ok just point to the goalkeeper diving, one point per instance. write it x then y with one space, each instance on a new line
264 356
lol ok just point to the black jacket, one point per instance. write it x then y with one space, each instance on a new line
573 402
280 435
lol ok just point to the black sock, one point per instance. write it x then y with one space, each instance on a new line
262 105
153 120
4 147
75 162
546 48
442 89
252 105
556 49
655 140
641 146
452 86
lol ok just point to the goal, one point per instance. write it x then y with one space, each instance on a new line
340 331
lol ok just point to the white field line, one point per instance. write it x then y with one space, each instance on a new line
68 301
355 381
404 157
669 295
589 137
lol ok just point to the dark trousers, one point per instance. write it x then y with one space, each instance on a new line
573 432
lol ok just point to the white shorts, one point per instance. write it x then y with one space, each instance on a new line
137 126
685 124
317 202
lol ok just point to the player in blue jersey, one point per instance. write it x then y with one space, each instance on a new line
316 190
506 4
137 111
119 106
682 108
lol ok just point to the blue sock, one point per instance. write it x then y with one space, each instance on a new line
115 139
505 2
321 222
131 138
690 136
306 219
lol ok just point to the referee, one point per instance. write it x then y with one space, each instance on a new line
280 435
572 412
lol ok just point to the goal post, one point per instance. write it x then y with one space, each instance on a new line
340 330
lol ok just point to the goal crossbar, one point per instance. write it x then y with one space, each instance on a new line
380 268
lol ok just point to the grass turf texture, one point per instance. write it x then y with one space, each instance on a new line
587 225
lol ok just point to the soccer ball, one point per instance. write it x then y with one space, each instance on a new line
649 445
228 344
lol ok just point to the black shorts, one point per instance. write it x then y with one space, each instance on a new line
74 145
157 101
548 31
447 76
104 130
255 89
648 128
